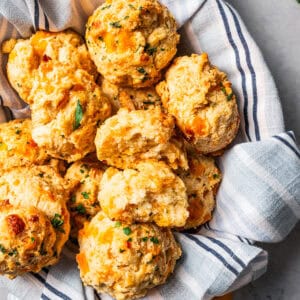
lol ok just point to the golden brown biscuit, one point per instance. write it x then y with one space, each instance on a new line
202 181
84 179
17 148
65 112
200 98
149 193
125 260
132 41
39 53
43 188
27 240
130 98
131 137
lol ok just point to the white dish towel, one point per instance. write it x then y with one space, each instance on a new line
259 198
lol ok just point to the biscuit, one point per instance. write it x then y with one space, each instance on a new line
149 193
27 240
125 260
202 181
128 138
131 41
83 178
39 53
200 98
43 188
17 148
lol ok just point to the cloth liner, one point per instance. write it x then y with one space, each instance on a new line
259 198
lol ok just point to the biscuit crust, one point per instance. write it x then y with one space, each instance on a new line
200 98
131 41
125 260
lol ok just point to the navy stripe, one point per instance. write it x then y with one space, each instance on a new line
287 144
252 71
213 252
238 63
46 270
50 287
97 295
228 250
36 14
291 136
44 297
46 22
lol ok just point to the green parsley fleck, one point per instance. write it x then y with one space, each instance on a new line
121 250
78 115
216 176
154 240
32 239
81 209
85 195
150 50
81 171
129 240
2 249
57 222
127 230
115 24
229 97
13 252
100 38
131 6
105 7
118 224
18 131
126 17
141 70
145 239
41 175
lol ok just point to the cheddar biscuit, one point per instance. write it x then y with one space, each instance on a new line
66 110
17 148
27 240
125 260
127 138
132 41
83 178
200 98
40 53
43 188
202 181
149 193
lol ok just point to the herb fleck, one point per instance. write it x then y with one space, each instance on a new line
148 102
18 131
115 24
81 209
78 115
13 252
145 239
121 250
57 222
100 38
105 7
216 176
85 195
141 70
41 175
154 240
150 50
2 249
32 239
127 230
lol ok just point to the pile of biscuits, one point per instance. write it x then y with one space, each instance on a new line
119 150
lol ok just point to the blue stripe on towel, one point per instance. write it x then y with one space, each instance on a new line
213 252
50 287
252 72
229 251
46 22
36 15
287 144
238 63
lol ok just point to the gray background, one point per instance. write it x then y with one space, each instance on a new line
275 26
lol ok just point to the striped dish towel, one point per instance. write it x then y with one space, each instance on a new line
259 196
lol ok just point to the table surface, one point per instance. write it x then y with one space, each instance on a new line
275 26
